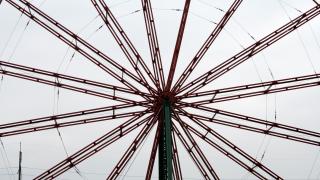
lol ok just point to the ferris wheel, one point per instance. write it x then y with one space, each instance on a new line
177 111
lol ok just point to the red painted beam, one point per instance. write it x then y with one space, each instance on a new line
65 86
207 44
153 41
178 45
72 78
54 124
251 90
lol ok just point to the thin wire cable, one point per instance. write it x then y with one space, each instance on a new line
318 176
119 4
80 31
136 155
6 167
314 164
11 35
315 38
5 158
89 37
56 98
19 40
291 6
191 12
300 40
1 80
255 40
210 5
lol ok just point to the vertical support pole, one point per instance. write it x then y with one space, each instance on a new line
20 161
165 144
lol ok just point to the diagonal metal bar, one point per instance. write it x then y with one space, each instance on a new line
205 47
34 10
197 148
65 86
153 153
93 148
251 90
226 153
122 39
223 140
133 147
251 51
192 154
72 78
176 160
153 41
268 124
266 131
53 124
61 117
265 85
178 45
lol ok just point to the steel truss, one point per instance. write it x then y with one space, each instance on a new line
152 100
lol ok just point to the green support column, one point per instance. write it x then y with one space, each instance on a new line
165 144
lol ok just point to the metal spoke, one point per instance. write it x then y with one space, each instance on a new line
205 47
92 148
250 51
59 117
133 147
53 124
65 86
178 44
82 81
125 44
233 147
192 154
266 131
153 42
269 125
197 148
143 96
77 40
250 90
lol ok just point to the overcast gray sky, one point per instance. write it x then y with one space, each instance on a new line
295 55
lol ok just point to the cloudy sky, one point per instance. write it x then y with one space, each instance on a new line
26 43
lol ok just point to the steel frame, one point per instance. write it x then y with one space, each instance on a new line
250 51
160 99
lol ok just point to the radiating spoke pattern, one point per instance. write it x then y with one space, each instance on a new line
175 115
